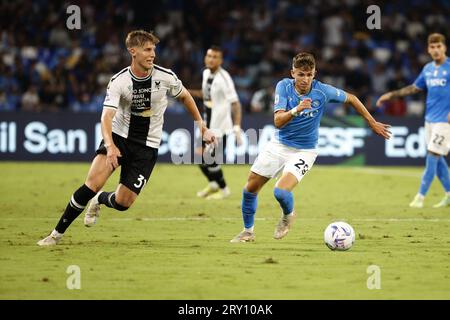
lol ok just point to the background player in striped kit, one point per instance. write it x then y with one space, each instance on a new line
131 123
222 113
435 78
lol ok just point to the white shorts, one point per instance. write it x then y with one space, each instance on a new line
437 137
276 158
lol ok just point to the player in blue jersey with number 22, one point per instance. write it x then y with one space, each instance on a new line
299 106
435 78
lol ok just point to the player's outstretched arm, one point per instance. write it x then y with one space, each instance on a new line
379 128
406 91
186 98
196 93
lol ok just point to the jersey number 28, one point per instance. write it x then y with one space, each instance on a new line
302 163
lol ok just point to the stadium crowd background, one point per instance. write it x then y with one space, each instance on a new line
46 67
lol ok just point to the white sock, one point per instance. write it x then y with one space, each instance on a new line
56 234
213 185
249 229
448 194
420 196
225 190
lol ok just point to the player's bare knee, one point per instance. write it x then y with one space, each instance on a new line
251 188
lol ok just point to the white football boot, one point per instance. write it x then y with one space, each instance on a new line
92 211
284 225
219 194
51 239
417 201
211 188
244 236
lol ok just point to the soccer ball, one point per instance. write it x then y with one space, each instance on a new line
339 236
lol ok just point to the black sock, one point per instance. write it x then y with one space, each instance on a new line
109 200
216 173
205 171
76 205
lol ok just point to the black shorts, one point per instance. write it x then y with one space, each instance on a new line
137 162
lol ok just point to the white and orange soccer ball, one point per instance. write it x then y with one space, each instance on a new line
339 236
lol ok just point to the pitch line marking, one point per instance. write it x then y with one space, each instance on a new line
387 172
259 219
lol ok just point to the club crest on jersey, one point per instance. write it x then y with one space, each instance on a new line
157 84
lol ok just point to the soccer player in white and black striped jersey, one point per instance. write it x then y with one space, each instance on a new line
222 113
131 123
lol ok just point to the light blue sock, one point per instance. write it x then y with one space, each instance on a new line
442 173
249 205
429 173
285 199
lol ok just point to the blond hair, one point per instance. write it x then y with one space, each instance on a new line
138 38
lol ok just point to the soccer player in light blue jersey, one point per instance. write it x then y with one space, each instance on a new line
435 78
299 106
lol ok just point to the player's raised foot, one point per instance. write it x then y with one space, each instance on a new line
244 236
208 190
92 211
417 202
284 225
51 239
219 194
445 202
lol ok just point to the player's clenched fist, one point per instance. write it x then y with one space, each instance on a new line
303 105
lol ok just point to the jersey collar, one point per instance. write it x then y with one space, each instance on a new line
141 78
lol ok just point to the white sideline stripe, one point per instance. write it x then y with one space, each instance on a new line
305 219
259 219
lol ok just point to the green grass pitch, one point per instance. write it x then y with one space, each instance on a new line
172 245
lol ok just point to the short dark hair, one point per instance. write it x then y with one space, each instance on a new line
436 37
216 48
138 38
304 60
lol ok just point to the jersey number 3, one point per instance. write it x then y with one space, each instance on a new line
141 182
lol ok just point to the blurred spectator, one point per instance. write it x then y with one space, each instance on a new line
46 67
396 107
262 100
30 100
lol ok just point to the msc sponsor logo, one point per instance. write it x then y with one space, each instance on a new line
439 82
